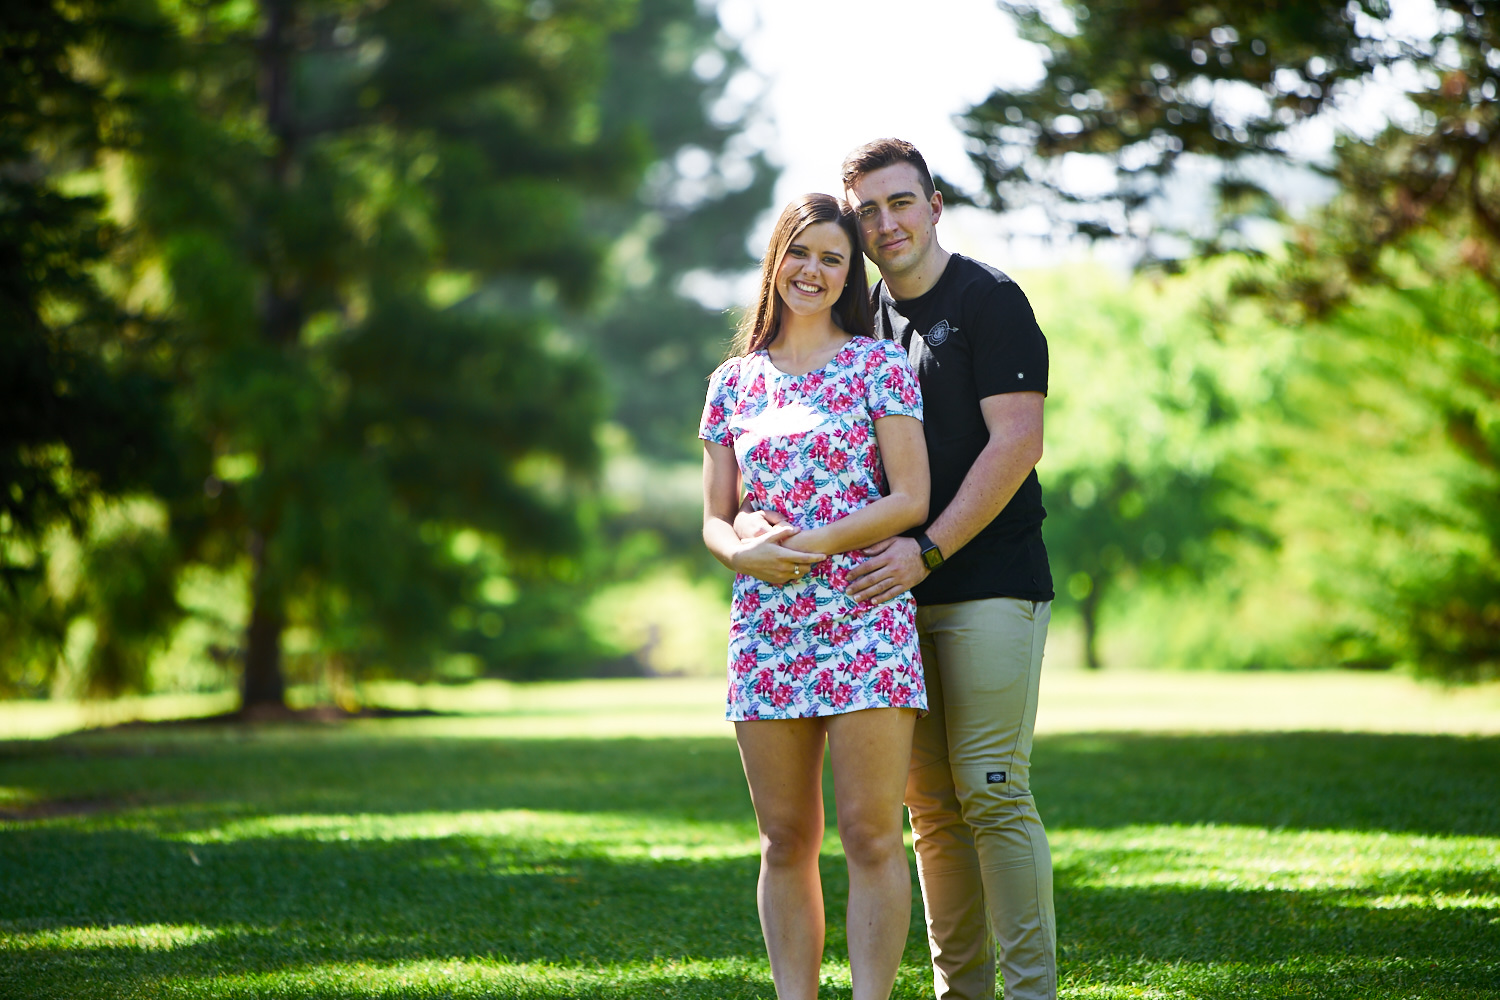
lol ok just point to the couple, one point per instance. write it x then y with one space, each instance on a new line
845 421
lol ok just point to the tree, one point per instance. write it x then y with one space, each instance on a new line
1143 88
319 190
1143 474
671 74
81 415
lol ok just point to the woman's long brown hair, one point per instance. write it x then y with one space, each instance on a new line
852 310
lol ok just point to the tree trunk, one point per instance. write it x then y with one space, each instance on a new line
281 324
263 684
1089 609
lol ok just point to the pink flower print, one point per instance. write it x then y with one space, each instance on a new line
762 495
765 681
767 622
803 490
744 663
842 403
838 578
781 636
858 435
717 414
758 387
803 665
819 450
843 634
824 686
780 459
863 663
900 696
805 606
885 682
813 383
782 696
837 460
825 509
843 695
854 495
761 453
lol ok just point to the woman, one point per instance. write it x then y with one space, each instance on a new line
821 423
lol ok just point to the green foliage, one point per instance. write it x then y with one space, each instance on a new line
82 415
670 74
1402 565
367 860
1393 462
1145 472
1142 87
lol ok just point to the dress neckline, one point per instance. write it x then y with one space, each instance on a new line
766 353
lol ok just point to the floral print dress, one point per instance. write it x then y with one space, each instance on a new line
805 445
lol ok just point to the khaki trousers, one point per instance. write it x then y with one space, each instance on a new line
982 855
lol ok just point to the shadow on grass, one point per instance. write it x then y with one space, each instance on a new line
1447 785
1312 781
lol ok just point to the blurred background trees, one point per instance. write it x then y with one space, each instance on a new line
1390 285
347 340
340 277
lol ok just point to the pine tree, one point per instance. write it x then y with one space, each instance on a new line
315 187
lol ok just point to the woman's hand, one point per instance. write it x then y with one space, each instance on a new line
749 523
765 558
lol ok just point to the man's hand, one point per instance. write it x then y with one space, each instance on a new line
889 569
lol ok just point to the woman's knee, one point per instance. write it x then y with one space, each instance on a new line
790 844
871 841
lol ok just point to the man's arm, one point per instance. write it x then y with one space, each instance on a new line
1014 421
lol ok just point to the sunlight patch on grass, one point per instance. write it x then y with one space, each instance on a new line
612 835
1435 901
724 978
143 937
1254 858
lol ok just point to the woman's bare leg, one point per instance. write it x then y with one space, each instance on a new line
871 753
783 761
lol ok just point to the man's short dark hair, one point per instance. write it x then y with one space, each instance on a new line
884 153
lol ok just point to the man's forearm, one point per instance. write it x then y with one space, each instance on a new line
992 480
1015 446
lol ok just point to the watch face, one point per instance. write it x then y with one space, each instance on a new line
932 558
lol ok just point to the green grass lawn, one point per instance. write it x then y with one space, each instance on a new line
445 857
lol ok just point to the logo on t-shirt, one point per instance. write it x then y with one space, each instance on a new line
939 333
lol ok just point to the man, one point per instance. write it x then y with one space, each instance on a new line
980 576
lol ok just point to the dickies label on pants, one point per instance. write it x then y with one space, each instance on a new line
994 777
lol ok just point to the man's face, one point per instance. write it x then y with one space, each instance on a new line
896 220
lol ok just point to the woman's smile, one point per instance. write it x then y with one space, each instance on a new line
814 268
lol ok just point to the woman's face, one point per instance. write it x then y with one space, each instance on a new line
812 274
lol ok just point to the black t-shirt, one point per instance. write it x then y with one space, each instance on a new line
970 336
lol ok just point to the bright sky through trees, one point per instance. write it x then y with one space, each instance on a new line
841 72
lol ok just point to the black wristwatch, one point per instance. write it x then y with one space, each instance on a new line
932 556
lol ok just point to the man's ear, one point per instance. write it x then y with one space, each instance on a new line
936 201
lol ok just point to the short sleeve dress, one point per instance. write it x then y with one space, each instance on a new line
805 445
